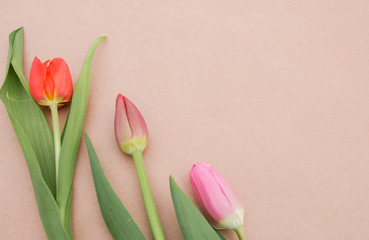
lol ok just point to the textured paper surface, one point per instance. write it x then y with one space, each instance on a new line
273 94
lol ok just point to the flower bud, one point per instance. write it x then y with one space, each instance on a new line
130 127
217 197
50 82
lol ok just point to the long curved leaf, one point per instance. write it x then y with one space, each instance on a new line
47 206
35 138
72 135
16 97
120 223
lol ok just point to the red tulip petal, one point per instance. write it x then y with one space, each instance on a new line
37 79
49 87
62 79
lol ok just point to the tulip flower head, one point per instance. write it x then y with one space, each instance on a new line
130 127
131 135
51 82
217 197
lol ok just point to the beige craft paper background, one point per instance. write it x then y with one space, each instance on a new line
273 94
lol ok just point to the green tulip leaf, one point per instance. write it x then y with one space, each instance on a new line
120 223
71 136
220 235
34 135
192 223
18 102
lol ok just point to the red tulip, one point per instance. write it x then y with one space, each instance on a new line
130 127
217 197
50 82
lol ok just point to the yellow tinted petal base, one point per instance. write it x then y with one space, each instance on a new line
135 144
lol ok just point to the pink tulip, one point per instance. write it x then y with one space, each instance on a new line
130 127
217 197
50 82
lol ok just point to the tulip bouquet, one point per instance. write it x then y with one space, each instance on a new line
51 157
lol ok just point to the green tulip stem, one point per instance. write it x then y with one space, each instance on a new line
151 210
57 144
240 233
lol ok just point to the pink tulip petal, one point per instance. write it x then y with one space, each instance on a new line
136 121
121 124
227 189
213 192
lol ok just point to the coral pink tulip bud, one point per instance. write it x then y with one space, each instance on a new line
217 197
130 127
50 82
